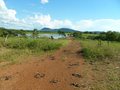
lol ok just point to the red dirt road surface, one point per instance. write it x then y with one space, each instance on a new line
64 70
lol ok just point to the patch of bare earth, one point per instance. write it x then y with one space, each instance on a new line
64 70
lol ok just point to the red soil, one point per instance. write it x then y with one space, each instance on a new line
64 70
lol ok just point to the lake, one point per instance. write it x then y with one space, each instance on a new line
55 36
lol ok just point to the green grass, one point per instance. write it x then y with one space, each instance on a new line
32 44
16 48
107 76
105 64
85 36
93 51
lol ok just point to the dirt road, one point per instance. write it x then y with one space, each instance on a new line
61 71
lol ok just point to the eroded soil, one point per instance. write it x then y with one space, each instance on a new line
64 70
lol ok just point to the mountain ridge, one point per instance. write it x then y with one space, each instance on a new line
56 30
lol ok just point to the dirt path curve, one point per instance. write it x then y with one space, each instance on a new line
60 71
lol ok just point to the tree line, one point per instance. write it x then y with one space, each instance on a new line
11 33
109 36
105 36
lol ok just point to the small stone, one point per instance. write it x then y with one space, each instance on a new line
5 78
74 64
54 81
39 75
76 75
75 85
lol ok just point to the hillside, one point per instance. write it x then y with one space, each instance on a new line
56 30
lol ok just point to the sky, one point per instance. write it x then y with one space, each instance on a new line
82 15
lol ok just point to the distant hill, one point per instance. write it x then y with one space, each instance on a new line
56 30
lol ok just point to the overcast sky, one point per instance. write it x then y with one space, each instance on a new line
83 15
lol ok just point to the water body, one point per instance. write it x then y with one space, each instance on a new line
55 36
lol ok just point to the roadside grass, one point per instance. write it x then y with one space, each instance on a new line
15 48
105 63
106 76
94 52
85 36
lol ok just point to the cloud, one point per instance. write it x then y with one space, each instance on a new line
44 1
7 14
8 19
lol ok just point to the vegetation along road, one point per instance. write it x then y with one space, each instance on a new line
84 62
59 71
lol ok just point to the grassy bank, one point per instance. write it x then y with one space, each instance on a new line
92 50
15 48
105 63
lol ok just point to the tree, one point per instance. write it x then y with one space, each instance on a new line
101 36
77 34
61 33
35 33
22 33
52 37
112 36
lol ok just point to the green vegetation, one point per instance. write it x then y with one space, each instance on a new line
62 33
35 33
15 44
93 50
105 36
35 44
77 34
16 47
105 63
110 36
100 49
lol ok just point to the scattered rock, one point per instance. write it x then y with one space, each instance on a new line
76 75
75 85
54 81
74 64
5 78
39 75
